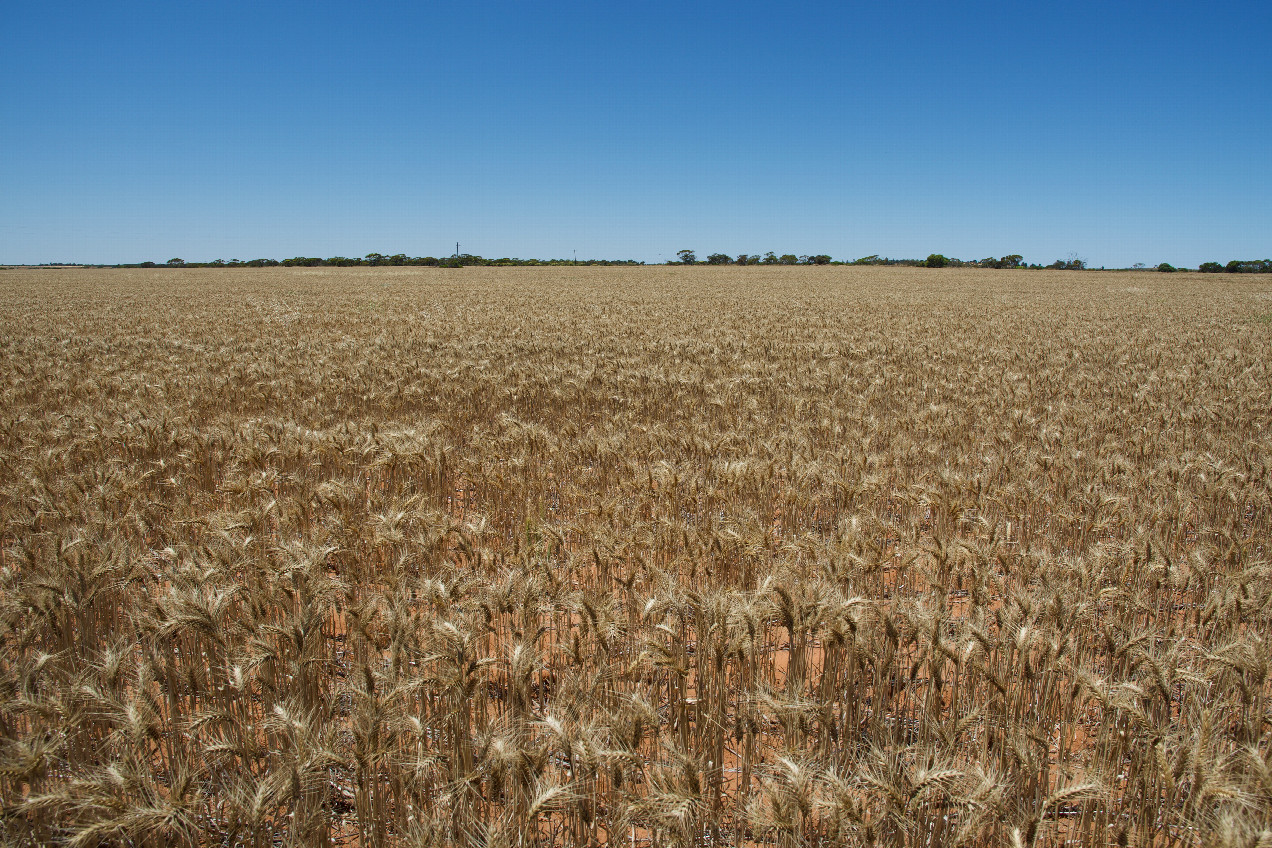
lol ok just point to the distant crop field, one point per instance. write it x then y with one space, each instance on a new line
652 556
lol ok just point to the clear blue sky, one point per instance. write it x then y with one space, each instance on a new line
1118 131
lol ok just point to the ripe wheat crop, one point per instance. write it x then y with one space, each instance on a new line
650 556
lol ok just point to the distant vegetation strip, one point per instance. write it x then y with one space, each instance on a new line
683 257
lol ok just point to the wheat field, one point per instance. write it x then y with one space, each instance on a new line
649 556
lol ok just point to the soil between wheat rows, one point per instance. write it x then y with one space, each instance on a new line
793 556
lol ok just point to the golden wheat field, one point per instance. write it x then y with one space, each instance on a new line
648 556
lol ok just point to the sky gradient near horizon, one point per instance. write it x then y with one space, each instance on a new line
1119 132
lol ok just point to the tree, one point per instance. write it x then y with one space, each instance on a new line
687 257
788 259
1249 266
770 258
1011 260
1166 268
1070 264
719 259
176 262
936 260
1210 268
820 259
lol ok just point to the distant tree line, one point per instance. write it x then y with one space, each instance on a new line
690 257
936 260
376 259
1238 266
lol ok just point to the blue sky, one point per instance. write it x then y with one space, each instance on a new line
1118 131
